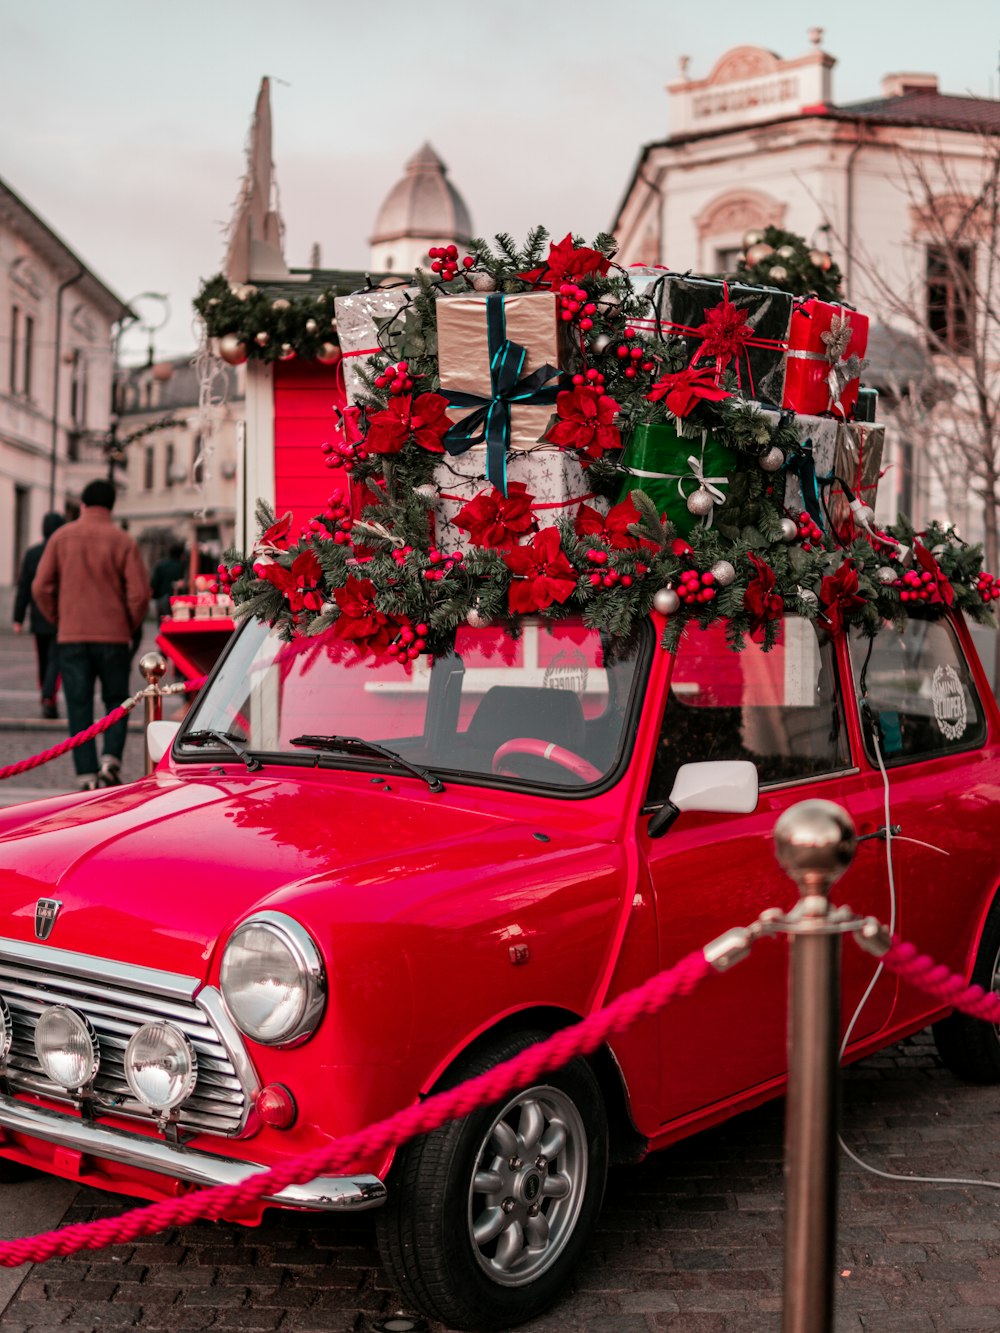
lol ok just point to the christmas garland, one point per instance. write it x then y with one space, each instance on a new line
251 324
367 570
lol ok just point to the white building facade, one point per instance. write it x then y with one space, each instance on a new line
57 328
761 141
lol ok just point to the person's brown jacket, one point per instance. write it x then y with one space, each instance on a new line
91 581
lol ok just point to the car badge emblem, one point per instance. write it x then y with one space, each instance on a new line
46 911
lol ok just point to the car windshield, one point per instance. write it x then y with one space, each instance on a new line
553 707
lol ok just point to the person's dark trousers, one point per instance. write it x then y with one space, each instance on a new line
48 664
82 665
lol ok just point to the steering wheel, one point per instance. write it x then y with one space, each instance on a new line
555 754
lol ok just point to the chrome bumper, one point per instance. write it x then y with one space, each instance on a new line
325 1193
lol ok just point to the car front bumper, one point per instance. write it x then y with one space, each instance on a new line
324 1193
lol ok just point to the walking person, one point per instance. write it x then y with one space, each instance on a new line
92 583
40 626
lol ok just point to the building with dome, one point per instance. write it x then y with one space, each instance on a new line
422 209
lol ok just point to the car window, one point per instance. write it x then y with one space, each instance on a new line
779 709
919 689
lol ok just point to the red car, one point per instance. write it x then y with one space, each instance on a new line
347 885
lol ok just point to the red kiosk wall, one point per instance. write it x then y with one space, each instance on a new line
306 396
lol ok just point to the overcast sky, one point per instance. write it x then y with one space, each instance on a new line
123 122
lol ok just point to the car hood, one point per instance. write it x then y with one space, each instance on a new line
158 871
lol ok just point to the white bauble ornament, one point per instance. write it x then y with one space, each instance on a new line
778 273
758 252
723 573
700 503
483 282
752 238
281 304
865 516
232 349
772 460
808 596
476 620
820 259
287 352
262 338
428 492
311 326
789 529
328 354
886 574
666 601
785 252
600 344
244 290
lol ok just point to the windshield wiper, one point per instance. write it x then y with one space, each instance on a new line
206 737
359 745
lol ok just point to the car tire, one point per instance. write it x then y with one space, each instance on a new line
482 1228
970 1047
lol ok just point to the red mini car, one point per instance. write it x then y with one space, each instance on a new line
347 885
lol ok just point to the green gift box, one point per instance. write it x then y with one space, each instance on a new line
671 468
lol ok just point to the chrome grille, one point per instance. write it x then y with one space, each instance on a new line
116 1010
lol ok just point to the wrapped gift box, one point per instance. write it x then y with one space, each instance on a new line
670 467
826 348
705 313
515 398
553 477
361 319
848 452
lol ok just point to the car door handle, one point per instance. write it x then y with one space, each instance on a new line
894 829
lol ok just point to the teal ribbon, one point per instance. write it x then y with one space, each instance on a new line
800 463
491 419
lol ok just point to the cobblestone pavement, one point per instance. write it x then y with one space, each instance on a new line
689 1241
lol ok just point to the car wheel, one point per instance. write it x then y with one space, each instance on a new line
488 1216
970 1047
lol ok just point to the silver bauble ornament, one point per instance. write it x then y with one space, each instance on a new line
886 574
609 302
785 252
281 304
789 529
700 503
232 349
262 338
865 516
476 620
666 601
778 273
752 238
820 259
808 596
483 282
287 352
723 573
758 252
244 290
328 353
600 344
427 492
311 326
772 460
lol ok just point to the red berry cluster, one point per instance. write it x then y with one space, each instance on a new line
344 455
593 380
602 577
914 587
988 587
441 564
695 587
410 644
395 378
444 260
635 353
227 577
810 533
574 303
338 512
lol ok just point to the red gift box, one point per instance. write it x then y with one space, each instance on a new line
826 348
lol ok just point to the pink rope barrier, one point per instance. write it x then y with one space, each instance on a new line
81 737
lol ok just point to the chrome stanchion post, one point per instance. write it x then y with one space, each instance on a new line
814 843
153 666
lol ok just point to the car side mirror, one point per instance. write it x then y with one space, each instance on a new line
728 786
160 737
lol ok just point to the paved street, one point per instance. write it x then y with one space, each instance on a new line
689 1241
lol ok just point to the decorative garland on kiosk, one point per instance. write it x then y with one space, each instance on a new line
369 569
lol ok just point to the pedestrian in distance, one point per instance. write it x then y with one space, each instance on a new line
168 573
46 649
92 583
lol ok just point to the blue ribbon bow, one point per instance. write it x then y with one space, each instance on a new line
491 419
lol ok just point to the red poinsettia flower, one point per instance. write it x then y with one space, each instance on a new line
724 334
360 619
566 263
941 589
276 536
838 594
614 529
498 520
760 600
422 418
686 389
586 422
301 586
546 576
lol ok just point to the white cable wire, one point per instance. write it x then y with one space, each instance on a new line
889 840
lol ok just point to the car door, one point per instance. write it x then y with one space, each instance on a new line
783 710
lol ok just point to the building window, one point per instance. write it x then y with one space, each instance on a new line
147 468
197 462
15 331
950 297
29 350
168 466
727 258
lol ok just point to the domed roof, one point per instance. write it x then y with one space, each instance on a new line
423 204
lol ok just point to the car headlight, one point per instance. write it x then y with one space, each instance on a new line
161 1067
66 1046
273 980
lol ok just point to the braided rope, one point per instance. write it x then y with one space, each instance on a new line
921 971
420 1118
102 724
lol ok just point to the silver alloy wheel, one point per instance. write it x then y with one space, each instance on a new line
528 1186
